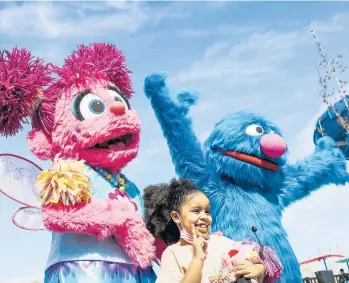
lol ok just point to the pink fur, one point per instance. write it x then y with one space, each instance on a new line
90 68
39 144
136 241
86 66
91 64
57 130
22 77
94 67
72 137
103 219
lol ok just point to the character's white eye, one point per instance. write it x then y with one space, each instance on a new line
87 105
254 130
118 96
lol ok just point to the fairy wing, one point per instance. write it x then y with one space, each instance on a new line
17 179
28 218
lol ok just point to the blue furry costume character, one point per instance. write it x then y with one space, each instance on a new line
243 169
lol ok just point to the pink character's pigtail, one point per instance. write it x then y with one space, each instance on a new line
22 78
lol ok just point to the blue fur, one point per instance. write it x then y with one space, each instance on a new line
253 196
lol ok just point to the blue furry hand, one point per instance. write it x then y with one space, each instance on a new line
325 143
153 83
155 89
187 98
326 148
176 125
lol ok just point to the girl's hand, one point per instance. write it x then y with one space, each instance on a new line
249 270
199 246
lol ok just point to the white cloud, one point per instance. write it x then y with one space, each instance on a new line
61 19
213 50
227 30
195 33
305 138
259 55
337 23
122 5
172 11
53 20
247 62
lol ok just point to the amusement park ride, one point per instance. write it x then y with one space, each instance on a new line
334 122
323 258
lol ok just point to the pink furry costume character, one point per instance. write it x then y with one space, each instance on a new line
83 121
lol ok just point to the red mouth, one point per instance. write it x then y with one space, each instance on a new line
122 196
116 143
252 160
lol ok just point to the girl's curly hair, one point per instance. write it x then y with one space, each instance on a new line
159 201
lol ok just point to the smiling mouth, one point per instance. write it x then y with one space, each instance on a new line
117 144
202 226
265 164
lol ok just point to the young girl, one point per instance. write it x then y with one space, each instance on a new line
179 214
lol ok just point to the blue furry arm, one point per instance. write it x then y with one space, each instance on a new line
185 149
325 166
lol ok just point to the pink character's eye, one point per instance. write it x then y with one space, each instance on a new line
87 105
118 96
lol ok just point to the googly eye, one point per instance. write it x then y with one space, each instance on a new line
87 105
118 96
254 130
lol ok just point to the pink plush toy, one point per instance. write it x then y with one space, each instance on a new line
223 254
83 121
238 252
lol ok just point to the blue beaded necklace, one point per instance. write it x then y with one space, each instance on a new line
118 180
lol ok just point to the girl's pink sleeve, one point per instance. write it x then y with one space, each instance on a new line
169 269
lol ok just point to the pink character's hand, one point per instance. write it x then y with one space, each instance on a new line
97 218
136 240
103 219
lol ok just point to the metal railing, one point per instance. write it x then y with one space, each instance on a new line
314 279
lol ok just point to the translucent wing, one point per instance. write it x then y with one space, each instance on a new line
28 218
17 179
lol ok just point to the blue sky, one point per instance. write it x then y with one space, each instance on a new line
256 56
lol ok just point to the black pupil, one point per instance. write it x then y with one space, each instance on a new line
259 130
97 106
